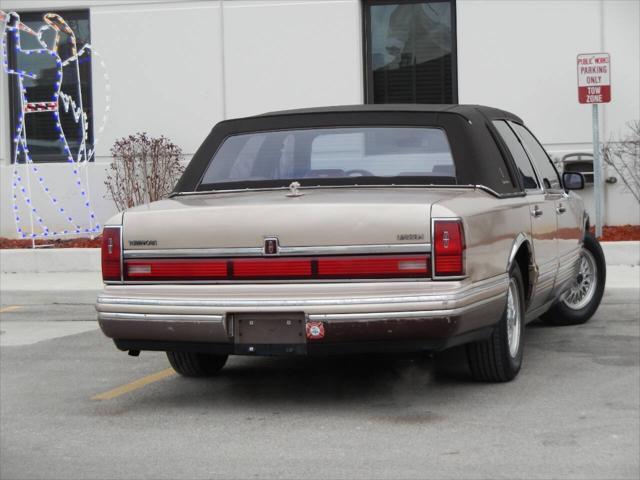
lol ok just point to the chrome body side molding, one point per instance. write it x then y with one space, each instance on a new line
283 251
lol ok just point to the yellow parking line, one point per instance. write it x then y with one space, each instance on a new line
10 308
135 385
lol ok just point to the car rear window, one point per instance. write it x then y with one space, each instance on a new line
349 155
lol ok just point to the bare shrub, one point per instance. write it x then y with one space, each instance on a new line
144 169
623 155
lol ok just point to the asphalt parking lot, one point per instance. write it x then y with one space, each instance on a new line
73 406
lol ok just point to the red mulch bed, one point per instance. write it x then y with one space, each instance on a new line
619 233
52 243
610 234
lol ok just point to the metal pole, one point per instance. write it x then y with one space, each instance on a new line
597 172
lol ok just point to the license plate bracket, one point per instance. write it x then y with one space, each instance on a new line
270 333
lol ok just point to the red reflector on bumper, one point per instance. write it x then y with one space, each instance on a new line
315 330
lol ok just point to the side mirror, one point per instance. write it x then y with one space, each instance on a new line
573 181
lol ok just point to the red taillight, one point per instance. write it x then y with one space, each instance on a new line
448 248
379 266
171 269
276 268
359 267
111 254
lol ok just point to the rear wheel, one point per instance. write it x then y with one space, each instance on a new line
582 300
499 358
196 364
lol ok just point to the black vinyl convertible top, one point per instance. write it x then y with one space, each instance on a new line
466 111
478 155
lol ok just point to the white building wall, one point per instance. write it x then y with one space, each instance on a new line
178 67
521 56
164 63
281 55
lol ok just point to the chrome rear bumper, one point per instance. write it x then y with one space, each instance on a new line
350 312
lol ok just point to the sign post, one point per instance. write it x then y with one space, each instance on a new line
594 87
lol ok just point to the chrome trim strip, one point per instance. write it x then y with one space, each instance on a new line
499 195
284 251
325 187
568 268
320 187
546 285
307 281
572 255
568 274
494 283
159 317
335 317
546 276
564 280
381 316
195 252
520 239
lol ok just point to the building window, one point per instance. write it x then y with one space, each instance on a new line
410 51
49 74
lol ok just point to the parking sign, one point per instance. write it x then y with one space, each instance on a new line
594 78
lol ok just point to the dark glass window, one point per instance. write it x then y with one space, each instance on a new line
410 52
384 155
525 169
50 85
550 177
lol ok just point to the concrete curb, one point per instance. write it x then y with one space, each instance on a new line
50 260
621 253
70 260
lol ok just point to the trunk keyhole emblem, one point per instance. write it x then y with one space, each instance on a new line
271 246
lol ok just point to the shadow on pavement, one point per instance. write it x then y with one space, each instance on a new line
389 383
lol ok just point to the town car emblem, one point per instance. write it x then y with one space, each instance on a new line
143 243
271 246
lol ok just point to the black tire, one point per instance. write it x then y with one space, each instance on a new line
491 360
563 314
196 364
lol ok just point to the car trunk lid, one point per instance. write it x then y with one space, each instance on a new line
318 217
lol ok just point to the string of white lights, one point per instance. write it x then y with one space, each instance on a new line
68 104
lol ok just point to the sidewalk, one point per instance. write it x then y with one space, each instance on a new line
50 281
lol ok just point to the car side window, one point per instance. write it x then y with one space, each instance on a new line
525 169
550 177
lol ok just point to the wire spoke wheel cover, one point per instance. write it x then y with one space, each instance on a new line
584 287
514 320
